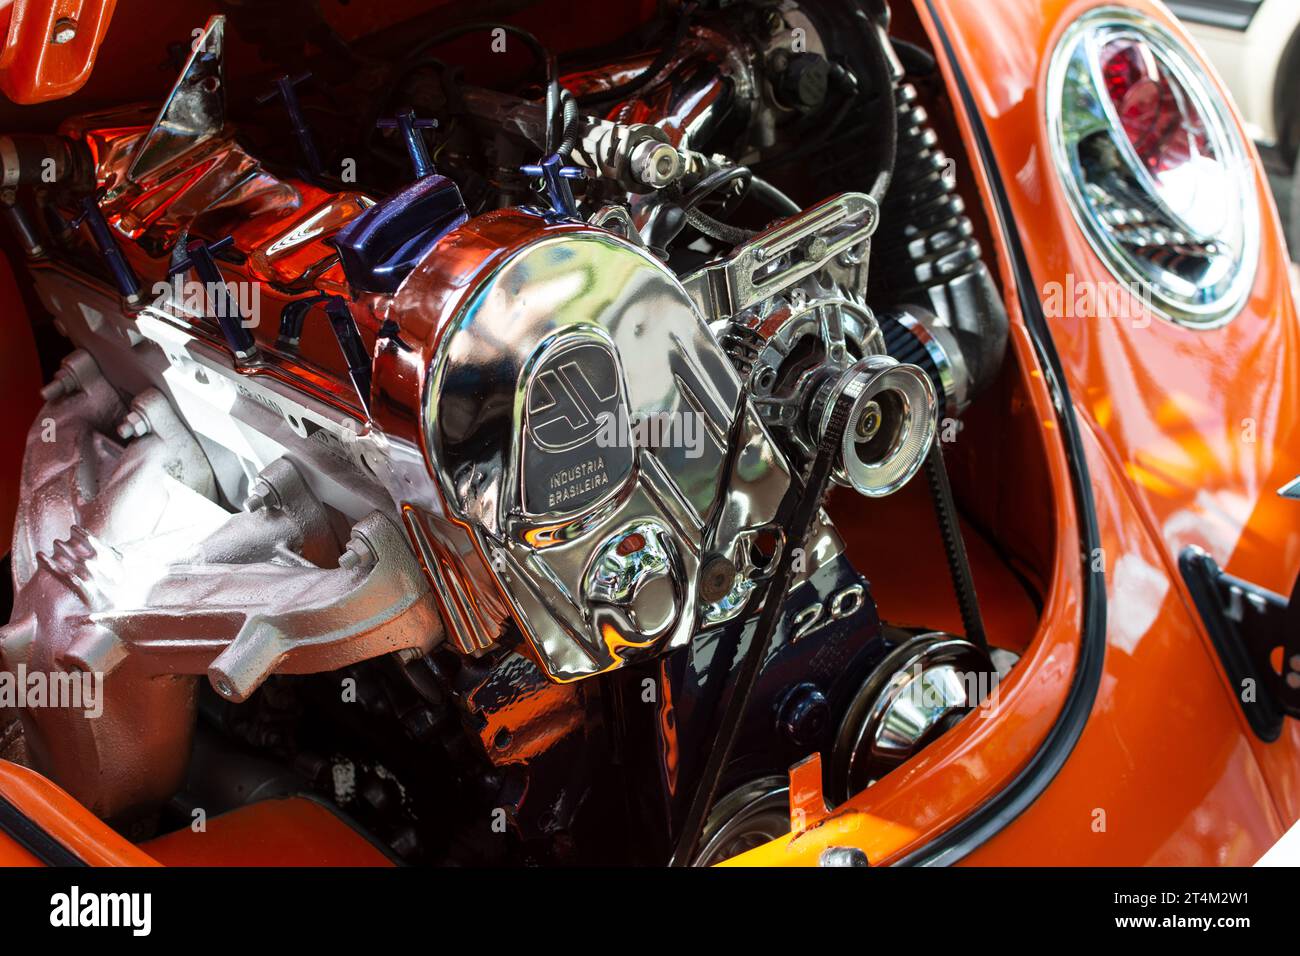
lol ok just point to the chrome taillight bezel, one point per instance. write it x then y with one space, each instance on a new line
1078 109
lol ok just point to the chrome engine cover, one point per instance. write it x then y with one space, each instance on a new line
578 418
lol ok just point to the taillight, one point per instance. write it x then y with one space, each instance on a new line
1154 164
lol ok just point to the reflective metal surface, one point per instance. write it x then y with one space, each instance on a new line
747 817
917 693
195 110
892 425
787 253
1187 238
784 344
128 568
557 439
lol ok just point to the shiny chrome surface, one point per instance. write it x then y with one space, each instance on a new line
945 354
787 253
749 816
1189 242
891 427
915 695
534 407
785 343
631 585
193 113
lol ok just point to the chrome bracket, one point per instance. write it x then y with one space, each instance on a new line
785 254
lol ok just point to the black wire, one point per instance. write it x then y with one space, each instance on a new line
773 198
414 60
916 60
713 182
540 54
716 229
884 84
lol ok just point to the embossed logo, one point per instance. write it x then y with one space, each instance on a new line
573 391
572 394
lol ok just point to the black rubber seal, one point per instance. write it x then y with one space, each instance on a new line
24 831
1001 809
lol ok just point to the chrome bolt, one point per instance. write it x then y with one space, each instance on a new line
134 425
842 856
356 555
869 421
656 164
261 495
65 31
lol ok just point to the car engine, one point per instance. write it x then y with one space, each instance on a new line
460 451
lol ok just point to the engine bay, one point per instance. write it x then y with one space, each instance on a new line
531 463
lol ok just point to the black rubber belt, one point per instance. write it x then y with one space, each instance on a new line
807 504
954 547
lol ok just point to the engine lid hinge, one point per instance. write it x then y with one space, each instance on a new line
1257 635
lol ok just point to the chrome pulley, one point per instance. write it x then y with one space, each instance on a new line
891 426
749 816
801 351
918 692
785 345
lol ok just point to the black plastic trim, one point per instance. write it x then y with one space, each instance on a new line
25 832
1000 810
1242 658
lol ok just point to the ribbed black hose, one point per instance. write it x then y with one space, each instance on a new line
945 510
568 124
935 261
923 221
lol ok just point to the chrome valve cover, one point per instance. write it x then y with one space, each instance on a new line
578 415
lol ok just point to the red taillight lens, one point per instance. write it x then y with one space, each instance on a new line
1154 110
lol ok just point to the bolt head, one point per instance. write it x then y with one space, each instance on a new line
655 164
134 425
850 856
356 554
65 31
717 579
805 716
260 495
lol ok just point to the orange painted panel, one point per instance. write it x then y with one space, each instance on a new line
51 46
290 832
